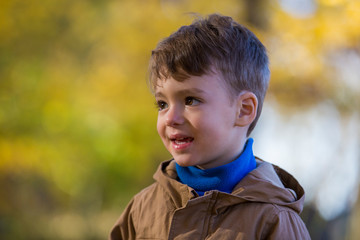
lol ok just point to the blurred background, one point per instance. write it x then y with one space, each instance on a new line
78 124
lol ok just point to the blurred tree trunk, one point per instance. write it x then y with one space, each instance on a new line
257 13
354 230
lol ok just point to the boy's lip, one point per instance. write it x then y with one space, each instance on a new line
178 136
180 141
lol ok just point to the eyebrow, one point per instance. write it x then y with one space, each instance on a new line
184 92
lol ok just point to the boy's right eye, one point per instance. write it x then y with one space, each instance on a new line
161 105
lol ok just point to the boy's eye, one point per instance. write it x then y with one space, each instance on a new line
191 101
161 105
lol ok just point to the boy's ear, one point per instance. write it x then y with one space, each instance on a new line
247 104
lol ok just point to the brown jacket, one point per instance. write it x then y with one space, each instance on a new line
264 205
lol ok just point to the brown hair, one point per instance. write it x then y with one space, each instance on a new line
216 41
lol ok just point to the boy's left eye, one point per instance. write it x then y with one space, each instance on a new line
191 101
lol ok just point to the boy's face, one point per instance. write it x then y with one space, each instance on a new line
196 121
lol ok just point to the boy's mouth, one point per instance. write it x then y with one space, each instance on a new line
181 142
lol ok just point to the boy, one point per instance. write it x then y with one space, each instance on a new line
209 81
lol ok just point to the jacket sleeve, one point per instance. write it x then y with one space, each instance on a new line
288 225
124 228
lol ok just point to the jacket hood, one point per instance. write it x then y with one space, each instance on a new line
271 184
267 183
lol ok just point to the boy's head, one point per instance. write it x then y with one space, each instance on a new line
214 44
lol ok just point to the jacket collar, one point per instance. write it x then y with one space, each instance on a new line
267 183
167 177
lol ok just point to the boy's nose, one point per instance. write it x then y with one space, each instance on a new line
174 116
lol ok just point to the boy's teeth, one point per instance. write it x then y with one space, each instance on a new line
182 140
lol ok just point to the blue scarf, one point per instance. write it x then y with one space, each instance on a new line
222 178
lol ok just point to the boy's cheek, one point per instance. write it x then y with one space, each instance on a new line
161 133
159 127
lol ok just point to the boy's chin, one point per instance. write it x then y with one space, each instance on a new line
184 163
189 162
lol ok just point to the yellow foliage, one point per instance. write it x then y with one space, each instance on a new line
75 110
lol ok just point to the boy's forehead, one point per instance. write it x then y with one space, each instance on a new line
162 84
184 90
204 84
182 76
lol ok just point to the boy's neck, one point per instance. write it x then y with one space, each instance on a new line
222 178
242 142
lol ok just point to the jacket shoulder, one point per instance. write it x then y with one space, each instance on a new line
285 223
147 210
151 197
